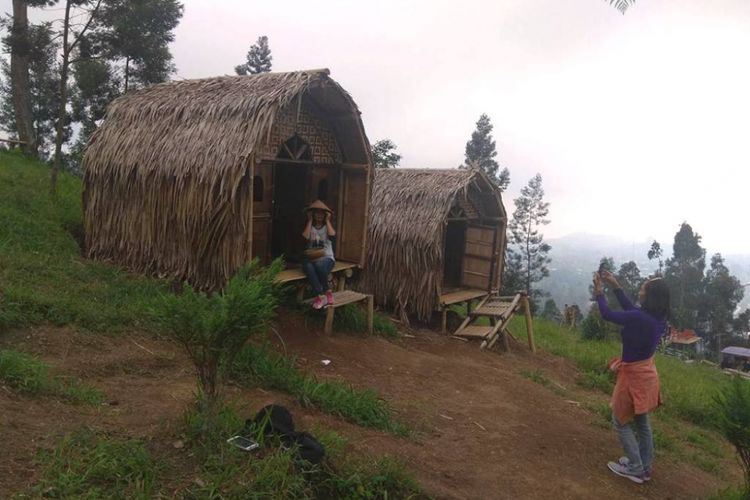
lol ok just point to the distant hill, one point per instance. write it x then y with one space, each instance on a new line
575 257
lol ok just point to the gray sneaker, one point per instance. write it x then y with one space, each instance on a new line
646 470
624 471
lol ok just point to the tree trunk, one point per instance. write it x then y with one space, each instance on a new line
63 102
127 73
19 77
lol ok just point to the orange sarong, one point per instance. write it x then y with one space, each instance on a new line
637 389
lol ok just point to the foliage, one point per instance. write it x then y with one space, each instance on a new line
551 312
723 292
629 277
481 153
260 365
684 274
353 318
593 327
733 418
29 375
43 81
259 59
42 275
655 252
384 154
94 466
531 212
213 328
622 5
134 36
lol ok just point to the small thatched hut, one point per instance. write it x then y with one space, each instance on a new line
436 236
191 179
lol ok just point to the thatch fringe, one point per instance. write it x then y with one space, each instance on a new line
167 183
408 213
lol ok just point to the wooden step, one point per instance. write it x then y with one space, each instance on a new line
343 298
493 309
475 331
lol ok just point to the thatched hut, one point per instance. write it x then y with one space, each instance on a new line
436 237
191 179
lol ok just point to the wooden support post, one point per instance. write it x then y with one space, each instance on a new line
328 330
370 313
529 324
341 282
300 293
444 322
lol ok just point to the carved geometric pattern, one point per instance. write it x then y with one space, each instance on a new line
309 127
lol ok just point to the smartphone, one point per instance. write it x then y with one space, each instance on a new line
243 443
602 269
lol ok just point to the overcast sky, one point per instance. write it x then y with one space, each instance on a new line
635 122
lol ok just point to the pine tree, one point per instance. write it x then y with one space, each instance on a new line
629 277
550 311
531 212
723 292
481 153
684 275
655 252
384 154
258 59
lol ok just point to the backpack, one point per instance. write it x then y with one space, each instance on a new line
276 420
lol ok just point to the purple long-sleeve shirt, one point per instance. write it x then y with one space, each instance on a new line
641 331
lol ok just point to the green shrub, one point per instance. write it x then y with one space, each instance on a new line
213 328
733 419
96 466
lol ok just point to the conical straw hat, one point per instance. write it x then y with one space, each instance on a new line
318 205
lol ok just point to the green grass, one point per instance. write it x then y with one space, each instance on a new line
688 388
538 377
29 375
42 276
275 472
261 365
88 465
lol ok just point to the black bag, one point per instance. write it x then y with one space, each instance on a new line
276 420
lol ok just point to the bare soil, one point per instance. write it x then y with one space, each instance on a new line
483 430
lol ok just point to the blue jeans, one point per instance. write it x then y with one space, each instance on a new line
317 273
637 442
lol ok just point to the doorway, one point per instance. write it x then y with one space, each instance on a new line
289 202
455 242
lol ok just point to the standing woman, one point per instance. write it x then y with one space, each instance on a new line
636 392
318 260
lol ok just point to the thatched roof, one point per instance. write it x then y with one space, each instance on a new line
409 208
167 172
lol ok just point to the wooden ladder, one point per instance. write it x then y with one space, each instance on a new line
499 310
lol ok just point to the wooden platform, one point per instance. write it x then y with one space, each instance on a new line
459 296
297 274
344 298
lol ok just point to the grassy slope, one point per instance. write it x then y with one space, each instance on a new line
42 277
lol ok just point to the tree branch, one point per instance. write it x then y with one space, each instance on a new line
88 23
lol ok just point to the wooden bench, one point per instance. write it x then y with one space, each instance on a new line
344 298
341 271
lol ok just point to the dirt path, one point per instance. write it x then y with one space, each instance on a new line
484 430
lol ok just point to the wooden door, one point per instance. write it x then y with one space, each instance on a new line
479 257
352 216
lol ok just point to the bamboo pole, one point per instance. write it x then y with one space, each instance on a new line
529 324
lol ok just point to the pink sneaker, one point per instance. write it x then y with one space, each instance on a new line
318 302
329 297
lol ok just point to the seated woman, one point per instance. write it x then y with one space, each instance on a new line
319 260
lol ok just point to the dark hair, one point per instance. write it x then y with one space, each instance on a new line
656 302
